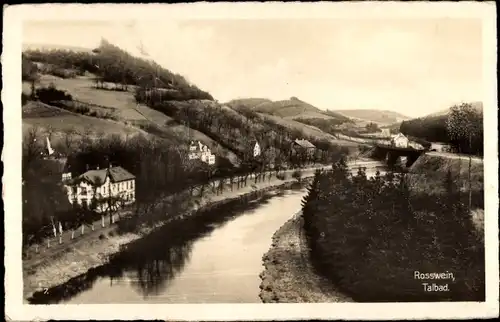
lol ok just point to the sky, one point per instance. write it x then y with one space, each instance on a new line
411 66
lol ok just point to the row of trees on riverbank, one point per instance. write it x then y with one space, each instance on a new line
161 168
370 236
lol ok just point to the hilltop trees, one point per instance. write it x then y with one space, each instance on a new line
453 128
465 128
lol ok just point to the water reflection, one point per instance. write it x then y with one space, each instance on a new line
150 264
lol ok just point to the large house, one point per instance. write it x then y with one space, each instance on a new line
301 146
198 150
101 189
399 141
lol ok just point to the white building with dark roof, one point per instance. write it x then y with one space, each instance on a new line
202 152
101 189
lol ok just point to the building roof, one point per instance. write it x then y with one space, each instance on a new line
118 174
304 143
98 177
399 135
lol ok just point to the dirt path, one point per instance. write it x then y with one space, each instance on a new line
288 276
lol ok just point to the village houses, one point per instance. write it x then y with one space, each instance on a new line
200 151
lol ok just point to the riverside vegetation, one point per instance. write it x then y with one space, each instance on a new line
369 236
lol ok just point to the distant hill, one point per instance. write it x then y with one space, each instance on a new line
33 46
292 108
381 117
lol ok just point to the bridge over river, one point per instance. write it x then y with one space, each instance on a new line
391 154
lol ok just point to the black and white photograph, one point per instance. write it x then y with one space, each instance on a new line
201 158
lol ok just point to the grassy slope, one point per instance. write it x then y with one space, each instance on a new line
126 109
376 116
429 171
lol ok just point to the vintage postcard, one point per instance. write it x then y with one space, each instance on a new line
251 161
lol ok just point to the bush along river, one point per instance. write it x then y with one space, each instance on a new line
214 256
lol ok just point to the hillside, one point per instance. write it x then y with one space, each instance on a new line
292 108
380 117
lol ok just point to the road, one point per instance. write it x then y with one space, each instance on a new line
454 156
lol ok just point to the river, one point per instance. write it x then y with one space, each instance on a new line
217 260
214 257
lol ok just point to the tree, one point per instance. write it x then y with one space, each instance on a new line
30 74
372 127
464 123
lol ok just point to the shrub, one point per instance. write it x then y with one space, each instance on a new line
281 176
51 94
297 175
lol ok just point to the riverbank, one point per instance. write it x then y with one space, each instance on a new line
89 253
288 275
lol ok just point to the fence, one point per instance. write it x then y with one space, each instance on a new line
60 240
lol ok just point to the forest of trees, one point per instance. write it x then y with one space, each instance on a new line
112 64
368 236
437 129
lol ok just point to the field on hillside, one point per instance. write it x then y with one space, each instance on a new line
429 172
60 122
380 117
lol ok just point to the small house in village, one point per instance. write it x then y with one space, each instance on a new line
101 189
199 151
399 140
301 146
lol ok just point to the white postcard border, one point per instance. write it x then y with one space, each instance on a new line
11 62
